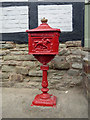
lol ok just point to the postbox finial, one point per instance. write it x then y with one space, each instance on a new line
44 20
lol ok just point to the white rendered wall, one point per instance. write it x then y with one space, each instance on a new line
59 16
14 19
13 0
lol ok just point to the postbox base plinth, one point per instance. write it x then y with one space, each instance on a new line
38 101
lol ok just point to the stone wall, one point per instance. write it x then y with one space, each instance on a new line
86 74
18 69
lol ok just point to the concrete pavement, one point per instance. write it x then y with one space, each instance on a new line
70 104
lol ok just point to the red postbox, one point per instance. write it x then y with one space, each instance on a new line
43 43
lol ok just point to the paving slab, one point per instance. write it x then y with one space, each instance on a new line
16 103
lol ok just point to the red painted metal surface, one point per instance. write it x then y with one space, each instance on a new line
43 44
44 99
43 40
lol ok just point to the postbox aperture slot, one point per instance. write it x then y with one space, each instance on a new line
42 35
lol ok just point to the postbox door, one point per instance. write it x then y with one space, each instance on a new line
43 43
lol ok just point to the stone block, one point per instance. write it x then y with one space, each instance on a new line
73 72
86 63
6 68
10 42
27 78
0 57
7 46
50 65
54 81
86 83
34 73
76 81
86 67
17 52
63 51
4 84
20 57
73 58
67 53
2 42
20 49
88 76
36 79
0 46
57 77
8 57
73 44
62 46
0 75
4 52
5 80
60 63
59 58
5 75
38 64
12 63
76 51
62 66
0 84
84 53
15 77
77 65
61 87
0 66
38 68
1 61
22 70
88 79
21 45
33 84
87 57
29 64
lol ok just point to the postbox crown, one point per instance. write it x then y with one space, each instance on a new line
43 27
